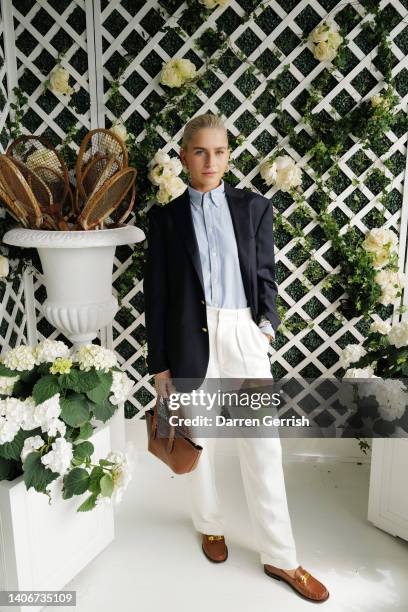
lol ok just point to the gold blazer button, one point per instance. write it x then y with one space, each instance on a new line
204 329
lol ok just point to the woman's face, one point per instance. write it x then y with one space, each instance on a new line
206 158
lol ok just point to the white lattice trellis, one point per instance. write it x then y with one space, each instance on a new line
96 35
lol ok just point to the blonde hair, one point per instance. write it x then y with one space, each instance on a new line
201 121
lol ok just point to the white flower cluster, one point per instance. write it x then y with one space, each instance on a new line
121 387
380 327
391 396
164 172
121 476
7 384
59 458
16 414
30 445
23 358
59 81
283 173
398 336
382 243
326 41
94 356
211 4
391 283
350 354
119 129
176 72
367 372
378 101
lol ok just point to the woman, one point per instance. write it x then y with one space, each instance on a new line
210 312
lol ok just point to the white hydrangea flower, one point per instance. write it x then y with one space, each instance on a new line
398 336
382 243
392 399
367 372
7 383
283 173
59 458
21 358
29 420
49 350
121 475
94 356
47 414
121 387
351 354
381 327
30 445
391 284
54 426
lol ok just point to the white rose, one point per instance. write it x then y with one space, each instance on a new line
392 399
391 284
4 266
268 172
324 52
351 354
398 335
378 101
159 174
334 40
381 327
176 72
382 243
211 4
59 81
288 174
321 33
119 129
160 158
360 373
170 188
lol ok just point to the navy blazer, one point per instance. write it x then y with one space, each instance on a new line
175 310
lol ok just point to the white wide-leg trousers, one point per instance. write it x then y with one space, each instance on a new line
238 349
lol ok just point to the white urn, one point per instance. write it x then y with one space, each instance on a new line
77 267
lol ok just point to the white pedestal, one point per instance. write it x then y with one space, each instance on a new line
388 496
42 546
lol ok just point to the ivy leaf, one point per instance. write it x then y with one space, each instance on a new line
106 485
36 474
75 482
84 450
74 410
100 393
89 503
45 388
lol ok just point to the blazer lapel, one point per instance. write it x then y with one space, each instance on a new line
241 222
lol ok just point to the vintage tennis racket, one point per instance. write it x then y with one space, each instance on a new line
19 192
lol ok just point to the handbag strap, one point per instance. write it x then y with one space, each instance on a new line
170 444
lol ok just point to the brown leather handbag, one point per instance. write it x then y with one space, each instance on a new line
179 452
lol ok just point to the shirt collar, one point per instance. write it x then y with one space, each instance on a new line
216 195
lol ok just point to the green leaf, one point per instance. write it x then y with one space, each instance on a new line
106 485
74 410
79 381
36 474
12 450
9 469
83 450
6 372
75 482
85 431
89 503
101 392
45 388
103 411
95 480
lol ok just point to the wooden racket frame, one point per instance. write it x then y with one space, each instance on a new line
37 218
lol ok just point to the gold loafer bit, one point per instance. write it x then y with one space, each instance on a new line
216 537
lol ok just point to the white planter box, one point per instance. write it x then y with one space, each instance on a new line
388 496
43 546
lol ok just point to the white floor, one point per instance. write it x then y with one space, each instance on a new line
156 561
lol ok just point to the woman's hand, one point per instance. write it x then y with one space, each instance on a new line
163 384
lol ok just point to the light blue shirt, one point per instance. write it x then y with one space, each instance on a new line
217 245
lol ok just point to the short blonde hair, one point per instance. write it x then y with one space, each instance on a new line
201 121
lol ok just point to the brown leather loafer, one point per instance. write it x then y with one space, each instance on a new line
303 583
214 548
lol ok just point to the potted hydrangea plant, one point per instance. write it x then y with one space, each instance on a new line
55 407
